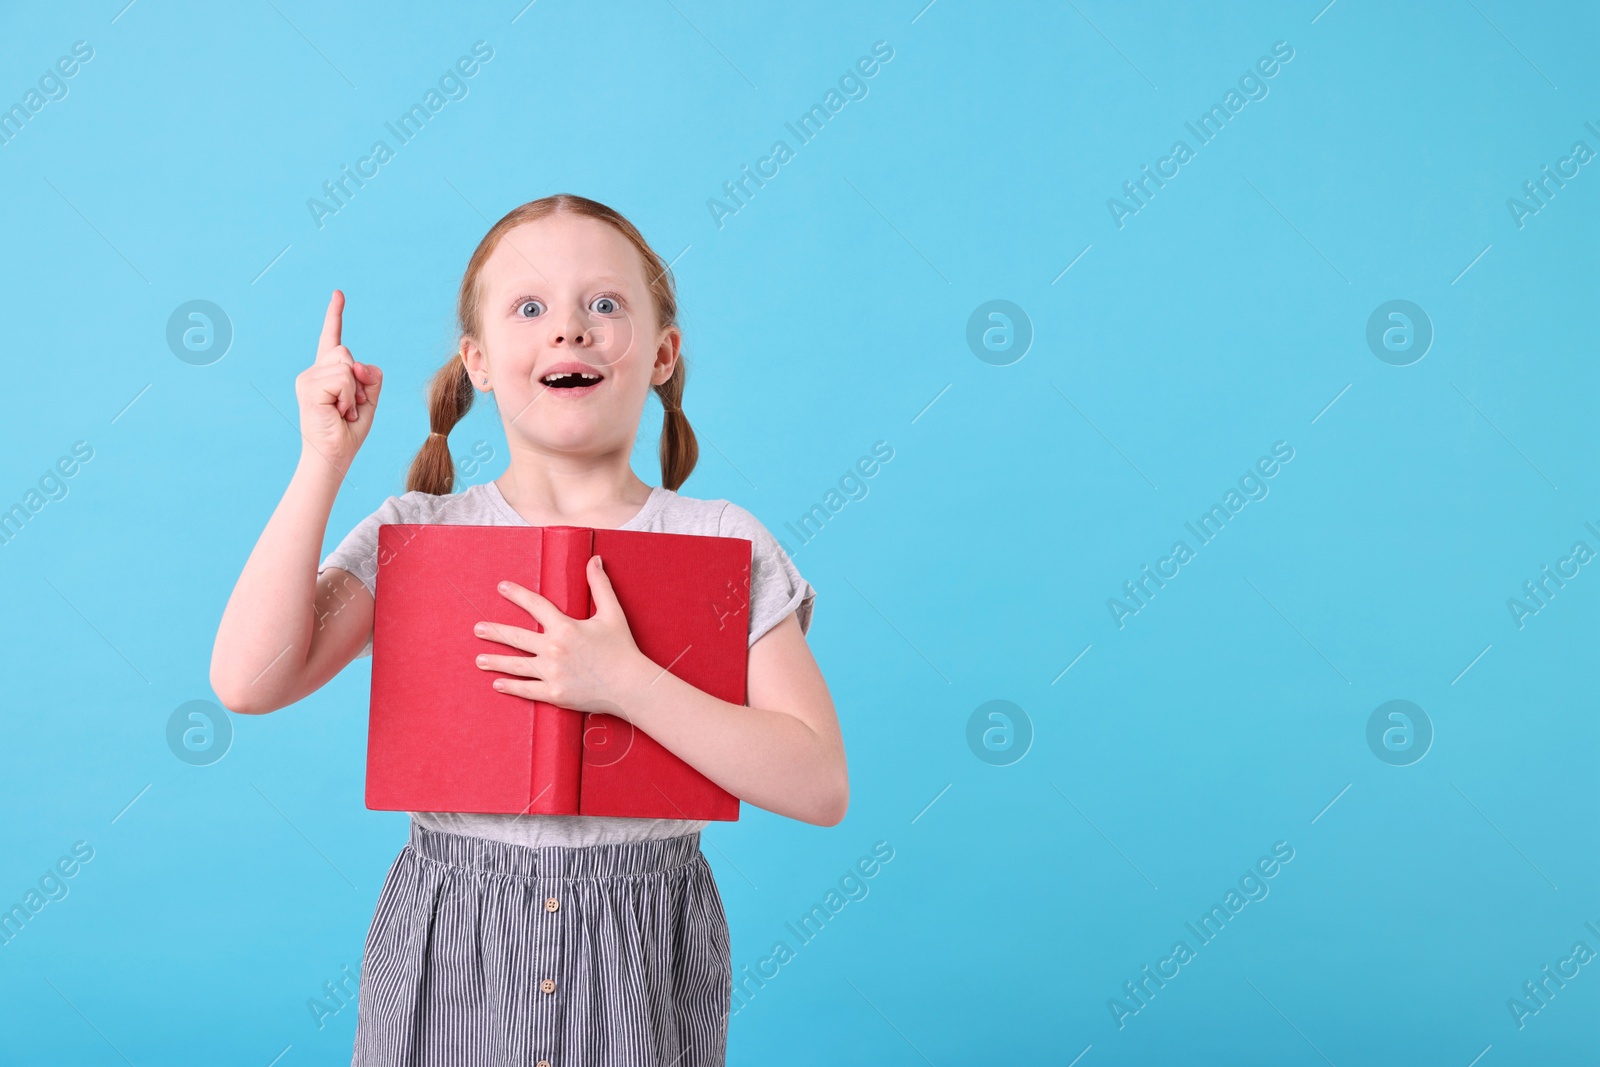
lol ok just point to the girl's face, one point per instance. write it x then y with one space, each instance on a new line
569 341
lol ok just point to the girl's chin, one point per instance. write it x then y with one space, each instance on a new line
545 432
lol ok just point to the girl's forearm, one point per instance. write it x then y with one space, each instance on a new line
265 635
768 758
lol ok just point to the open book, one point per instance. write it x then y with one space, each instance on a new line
442 739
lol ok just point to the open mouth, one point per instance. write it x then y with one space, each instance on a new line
570 380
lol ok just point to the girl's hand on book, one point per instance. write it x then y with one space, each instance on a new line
579 664
337 395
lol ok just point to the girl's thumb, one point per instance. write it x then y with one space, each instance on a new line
600 582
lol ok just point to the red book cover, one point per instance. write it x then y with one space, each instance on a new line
442 739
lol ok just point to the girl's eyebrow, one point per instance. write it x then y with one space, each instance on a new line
598 279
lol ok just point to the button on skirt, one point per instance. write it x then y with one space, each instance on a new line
489 954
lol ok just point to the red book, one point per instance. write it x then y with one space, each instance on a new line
442 739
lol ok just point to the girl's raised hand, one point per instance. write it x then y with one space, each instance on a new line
337 395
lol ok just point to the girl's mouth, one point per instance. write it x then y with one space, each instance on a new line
572 383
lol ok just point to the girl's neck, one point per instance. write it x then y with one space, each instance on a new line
601 499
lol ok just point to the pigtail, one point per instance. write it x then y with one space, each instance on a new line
450 396
679 449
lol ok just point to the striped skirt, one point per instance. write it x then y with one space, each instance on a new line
496 955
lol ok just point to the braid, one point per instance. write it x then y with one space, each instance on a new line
450 396
679 449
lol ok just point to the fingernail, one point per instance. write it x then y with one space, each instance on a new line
480 629
505 587
483 661
499 684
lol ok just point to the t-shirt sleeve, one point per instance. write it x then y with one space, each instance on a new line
358 552
776 587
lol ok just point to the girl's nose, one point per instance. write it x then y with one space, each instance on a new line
573 332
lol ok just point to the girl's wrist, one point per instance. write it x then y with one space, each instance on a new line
641 683
315 469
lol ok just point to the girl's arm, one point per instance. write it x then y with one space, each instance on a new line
285 631
783 752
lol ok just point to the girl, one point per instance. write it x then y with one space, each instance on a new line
544 939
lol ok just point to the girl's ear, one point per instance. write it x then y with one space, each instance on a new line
666 356
477 363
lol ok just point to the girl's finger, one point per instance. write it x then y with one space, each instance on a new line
526 688
521 666
543 611
337 389
349 388
371 379
513 636
332 327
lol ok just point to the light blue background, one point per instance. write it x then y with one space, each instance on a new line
826 315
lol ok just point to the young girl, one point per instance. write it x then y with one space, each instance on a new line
547 940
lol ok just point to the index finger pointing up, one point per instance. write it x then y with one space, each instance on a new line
332 325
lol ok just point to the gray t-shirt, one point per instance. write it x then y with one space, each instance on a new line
776 589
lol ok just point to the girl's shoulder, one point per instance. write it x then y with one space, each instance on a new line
358 552
714 517
475 505
776 586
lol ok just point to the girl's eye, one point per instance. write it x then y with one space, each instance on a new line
605 305
538 308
